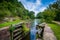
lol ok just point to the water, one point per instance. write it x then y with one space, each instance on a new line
33 29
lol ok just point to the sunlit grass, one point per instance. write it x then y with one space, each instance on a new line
25 28
56 29
9 23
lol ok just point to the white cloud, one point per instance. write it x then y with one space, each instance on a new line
40 10
38 2
33 6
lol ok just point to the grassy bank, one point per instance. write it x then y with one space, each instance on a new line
6 24
9 23
25 29
56 29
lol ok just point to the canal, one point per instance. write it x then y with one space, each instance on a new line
33 29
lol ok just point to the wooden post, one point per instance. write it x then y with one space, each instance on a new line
42 31
11 32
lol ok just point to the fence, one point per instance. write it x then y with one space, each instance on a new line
16 32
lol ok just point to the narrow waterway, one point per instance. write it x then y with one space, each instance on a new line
33 29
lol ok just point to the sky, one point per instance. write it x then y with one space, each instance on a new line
36 5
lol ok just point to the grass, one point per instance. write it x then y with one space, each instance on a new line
9 23
6 24
25 29
56 29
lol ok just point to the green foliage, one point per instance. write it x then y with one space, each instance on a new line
51 13
56 7
12 8
48 15
31 15
39 15
9 23
57 18
25 28
11 28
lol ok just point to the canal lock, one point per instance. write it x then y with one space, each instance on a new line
40 31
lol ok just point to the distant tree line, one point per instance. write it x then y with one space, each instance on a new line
12 8
51 13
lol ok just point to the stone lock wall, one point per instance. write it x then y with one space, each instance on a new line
4 33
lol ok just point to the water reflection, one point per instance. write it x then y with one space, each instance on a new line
33 29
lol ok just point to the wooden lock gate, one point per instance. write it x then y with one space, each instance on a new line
16 32
41 27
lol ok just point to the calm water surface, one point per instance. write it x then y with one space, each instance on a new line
33 29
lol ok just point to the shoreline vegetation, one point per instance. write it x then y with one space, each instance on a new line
13 10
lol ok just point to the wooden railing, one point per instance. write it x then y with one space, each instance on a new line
16 32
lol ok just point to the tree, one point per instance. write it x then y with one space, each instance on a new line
56 7
12 8
40 15
31 14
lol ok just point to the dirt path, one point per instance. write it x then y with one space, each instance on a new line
48 34
38 39
57 22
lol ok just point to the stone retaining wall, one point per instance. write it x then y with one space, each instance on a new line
4 33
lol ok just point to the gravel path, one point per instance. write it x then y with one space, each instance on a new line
48 33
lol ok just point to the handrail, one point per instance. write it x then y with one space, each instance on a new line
16 31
